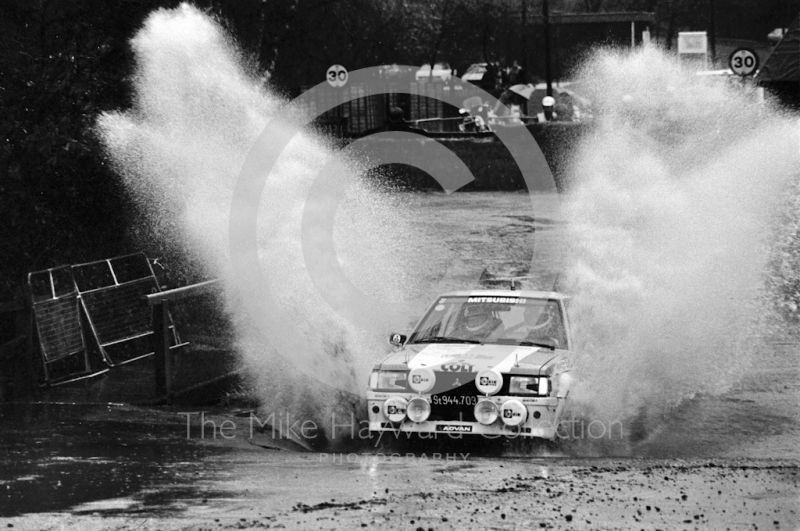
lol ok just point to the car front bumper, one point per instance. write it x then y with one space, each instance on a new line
543 416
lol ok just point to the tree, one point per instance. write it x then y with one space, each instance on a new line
60 62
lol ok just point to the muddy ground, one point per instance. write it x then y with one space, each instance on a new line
120 467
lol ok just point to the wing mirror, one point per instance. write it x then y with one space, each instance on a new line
397 340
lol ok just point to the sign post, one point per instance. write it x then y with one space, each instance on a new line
693 47
743 62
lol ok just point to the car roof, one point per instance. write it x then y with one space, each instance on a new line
507 293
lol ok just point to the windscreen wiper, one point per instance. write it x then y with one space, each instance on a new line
441 339
537 344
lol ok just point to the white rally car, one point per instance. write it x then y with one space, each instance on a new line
489 362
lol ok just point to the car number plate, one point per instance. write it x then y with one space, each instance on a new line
448 400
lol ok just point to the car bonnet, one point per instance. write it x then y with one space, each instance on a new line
468 357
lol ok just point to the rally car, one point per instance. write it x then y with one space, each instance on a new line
488 362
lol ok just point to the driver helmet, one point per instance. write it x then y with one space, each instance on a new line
541 316
477 317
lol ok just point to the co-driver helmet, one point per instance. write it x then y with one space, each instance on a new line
477 317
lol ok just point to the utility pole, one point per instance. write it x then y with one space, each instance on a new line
712 32
524 41
548 72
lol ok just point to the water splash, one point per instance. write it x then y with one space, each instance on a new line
198 108
672 210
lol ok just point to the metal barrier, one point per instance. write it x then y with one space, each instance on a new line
92 317
57 317
161 338
100 301
111 293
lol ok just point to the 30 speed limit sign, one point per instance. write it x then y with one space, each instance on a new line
337 76
743 62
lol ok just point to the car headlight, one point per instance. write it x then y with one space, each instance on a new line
389 380
486 412
529 385
395 409
422 379
513 413
489 381
418 410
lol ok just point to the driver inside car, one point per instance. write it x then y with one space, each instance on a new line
543 324
478 323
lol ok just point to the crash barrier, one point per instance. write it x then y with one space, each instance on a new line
90 317
162 338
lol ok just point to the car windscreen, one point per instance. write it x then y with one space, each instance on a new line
496 320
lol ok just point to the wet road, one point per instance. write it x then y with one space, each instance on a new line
715 462
122 467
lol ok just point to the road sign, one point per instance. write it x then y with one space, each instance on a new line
337 76
743 62
692 43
